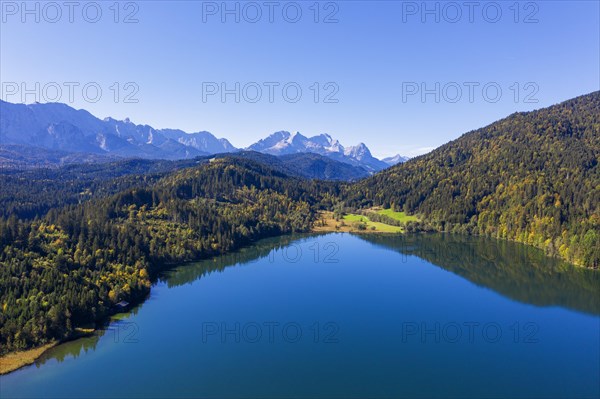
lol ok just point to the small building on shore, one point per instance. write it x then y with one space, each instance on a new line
121 306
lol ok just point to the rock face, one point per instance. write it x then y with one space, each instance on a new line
58 127
285 143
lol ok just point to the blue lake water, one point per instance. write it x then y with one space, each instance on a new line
339 315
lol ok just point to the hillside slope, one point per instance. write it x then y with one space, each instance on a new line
532 177
69 268
305 164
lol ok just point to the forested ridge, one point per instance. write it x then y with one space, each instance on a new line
76 240
70 267
31 193
532 177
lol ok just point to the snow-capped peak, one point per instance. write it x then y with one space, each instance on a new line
358 152
396 159
291 137
282 143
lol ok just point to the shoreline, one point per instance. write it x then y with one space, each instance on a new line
14 361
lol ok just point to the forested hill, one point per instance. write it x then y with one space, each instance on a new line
532 177
68 268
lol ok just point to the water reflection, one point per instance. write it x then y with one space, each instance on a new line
378 290
188 273
80 346
514 270
71 349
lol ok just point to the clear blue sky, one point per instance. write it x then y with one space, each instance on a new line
375 53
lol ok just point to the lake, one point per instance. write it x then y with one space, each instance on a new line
340 315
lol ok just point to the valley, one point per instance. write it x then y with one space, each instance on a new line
314 199
72 251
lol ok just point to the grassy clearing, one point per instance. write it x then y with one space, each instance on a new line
351 221
351 217
399 216
328 224
379 227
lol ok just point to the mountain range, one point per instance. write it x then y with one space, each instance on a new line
62 129
284 143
